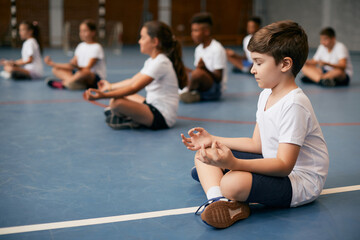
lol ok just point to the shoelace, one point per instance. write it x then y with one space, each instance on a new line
207 203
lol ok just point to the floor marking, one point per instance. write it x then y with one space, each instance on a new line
130 217
42 101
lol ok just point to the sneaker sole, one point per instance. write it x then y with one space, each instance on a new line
120 126
188 97
223 214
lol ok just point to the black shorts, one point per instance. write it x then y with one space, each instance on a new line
97 79
159 120
267 190
95 84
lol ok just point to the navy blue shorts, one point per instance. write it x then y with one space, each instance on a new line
267 190
97 79
339 82
214 93
159 120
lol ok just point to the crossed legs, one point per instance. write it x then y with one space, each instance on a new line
82 79
132 106
316 74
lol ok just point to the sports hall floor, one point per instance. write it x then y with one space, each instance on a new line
64 174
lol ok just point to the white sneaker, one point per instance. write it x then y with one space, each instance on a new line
5 74
185 89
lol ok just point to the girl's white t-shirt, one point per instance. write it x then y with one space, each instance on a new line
292 120
85 51
338 52
162 92
30 48
214 57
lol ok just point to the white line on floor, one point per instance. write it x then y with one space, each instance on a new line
129 217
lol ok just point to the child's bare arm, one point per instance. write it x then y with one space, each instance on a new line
138 82
280 166
91 63
21 62
221 156
341 64
252 145
68 66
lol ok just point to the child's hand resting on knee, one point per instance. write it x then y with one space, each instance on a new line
93 94
196 140
217 155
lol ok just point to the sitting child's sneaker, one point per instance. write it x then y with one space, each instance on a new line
54 83
327 82
117 123
107 111
5 74
190 97
222 214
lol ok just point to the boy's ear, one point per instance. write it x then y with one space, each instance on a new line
287 64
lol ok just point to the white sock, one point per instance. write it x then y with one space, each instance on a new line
213 192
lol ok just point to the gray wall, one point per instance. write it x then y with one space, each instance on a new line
313 15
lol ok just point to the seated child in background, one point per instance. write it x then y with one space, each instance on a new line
30 66
208 79
289 161
86 68
244 63
162 75
331 65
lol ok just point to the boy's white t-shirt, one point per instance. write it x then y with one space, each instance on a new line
85 51
292 120
338 52
30 48
245 45
162 92
214 57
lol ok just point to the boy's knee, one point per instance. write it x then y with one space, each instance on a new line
197 74
235 185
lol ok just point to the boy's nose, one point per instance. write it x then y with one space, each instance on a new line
252 70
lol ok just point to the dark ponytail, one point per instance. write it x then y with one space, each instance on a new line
34 26
170 47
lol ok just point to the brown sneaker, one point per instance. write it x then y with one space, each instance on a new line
190 97
223 214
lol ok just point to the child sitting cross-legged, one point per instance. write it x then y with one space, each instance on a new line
285 163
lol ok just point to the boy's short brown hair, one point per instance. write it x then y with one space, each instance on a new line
282 39
202 18
330 32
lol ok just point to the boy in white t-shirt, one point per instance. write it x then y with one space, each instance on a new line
288 156
86 68
208 79
331 65
243 63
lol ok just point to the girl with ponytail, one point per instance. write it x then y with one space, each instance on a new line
162 75
30 65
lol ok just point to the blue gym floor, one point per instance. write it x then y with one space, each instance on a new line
60 162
